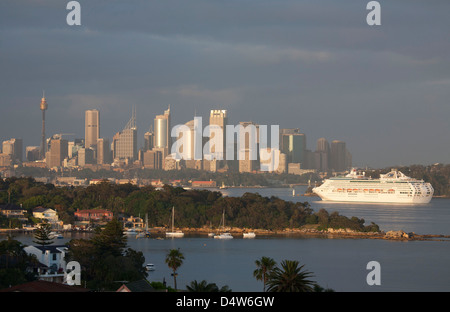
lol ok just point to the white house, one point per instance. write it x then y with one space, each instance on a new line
45 213
53 259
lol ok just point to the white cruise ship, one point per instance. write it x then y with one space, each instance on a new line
393 187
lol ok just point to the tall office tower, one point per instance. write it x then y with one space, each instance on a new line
91 128
322 155
103 151
338 155
248 148
149 138
57 153
219 118
43 108
293 144
125 142
13 147
32 153
162 131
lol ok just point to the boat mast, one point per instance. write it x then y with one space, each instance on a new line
173 215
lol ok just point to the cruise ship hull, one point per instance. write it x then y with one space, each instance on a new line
393 187
374 198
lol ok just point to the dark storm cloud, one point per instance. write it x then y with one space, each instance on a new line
315 65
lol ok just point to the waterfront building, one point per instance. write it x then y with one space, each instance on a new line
45 214
93 214
13 211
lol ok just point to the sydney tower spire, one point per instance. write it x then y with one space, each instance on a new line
43 109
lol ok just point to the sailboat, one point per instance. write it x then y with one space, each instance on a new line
223 235
174 233
146 232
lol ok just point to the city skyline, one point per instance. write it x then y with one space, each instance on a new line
300 64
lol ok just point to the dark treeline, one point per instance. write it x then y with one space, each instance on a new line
193 208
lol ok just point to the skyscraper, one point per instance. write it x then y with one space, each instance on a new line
91 128
103 151
218 117
162 130
43 108
322 155
13 147
293 144
149 138
248 146
338 155
57 153
125 142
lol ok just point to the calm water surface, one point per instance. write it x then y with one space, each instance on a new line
339 264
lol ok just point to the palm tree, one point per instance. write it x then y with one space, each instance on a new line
174 260
290 278
204 286
264 266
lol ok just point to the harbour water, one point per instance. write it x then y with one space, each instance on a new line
339 264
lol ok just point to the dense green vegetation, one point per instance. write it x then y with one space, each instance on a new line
289 276
15 263
105 259
193 208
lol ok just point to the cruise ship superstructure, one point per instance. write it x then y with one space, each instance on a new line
393 187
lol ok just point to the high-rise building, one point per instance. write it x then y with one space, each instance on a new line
322 155
103 151
162 130
43 107
125 142
57 153
13 147
32 153
91 128
218 117
248 152
293 144
338 155
149 138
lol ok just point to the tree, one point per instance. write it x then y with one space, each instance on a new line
264 266
204 286
14 263
42 234
174 260
104 260
290 278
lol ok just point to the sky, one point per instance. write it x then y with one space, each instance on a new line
314 65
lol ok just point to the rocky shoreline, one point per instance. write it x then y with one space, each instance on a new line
311 231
